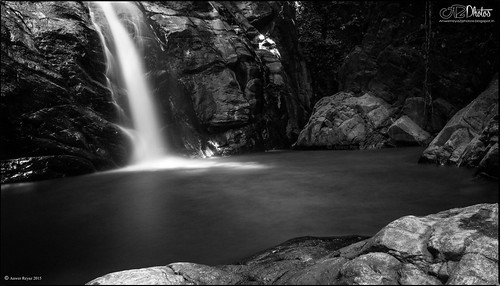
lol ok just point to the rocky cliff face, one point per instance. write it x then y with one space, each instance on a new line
56 113
228 77
453 247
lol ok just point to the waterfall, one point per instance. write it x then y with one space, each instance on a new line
148 143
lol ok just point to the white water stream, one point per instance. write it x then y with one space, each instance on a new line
148 141
150 151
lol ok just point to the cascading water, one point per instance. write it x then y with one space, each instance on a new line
148 141
150 152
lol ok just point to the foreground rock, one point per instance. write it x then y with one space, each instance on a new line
457 246
470 138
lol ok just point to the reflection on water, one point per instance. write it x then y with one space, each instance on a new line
172 162
217 211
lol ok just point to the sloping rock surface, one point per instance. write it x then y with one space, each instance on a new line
470 138
405 131
457 246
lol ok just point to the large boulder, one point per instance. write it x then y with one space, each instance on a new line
346 121
456 246
57 116
471 136
406 132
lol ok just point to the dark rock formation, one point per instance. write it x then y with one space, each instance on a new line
470 138
391 60
228 77
424 72
43 167
56 113
453 247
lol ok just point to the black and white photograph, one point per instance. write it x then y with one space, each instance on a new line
249 142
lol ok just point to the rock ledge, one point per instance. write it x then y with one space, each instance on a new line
456 246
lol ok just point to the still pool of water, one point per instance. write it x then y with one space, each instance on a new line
72 230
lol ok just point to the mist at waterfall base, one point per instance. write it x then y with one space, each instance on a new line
72 230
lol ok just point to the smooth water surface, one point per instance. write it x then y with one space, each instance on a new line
73 230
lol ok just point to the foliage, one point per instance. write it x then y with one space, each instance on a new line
328 30
455 59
